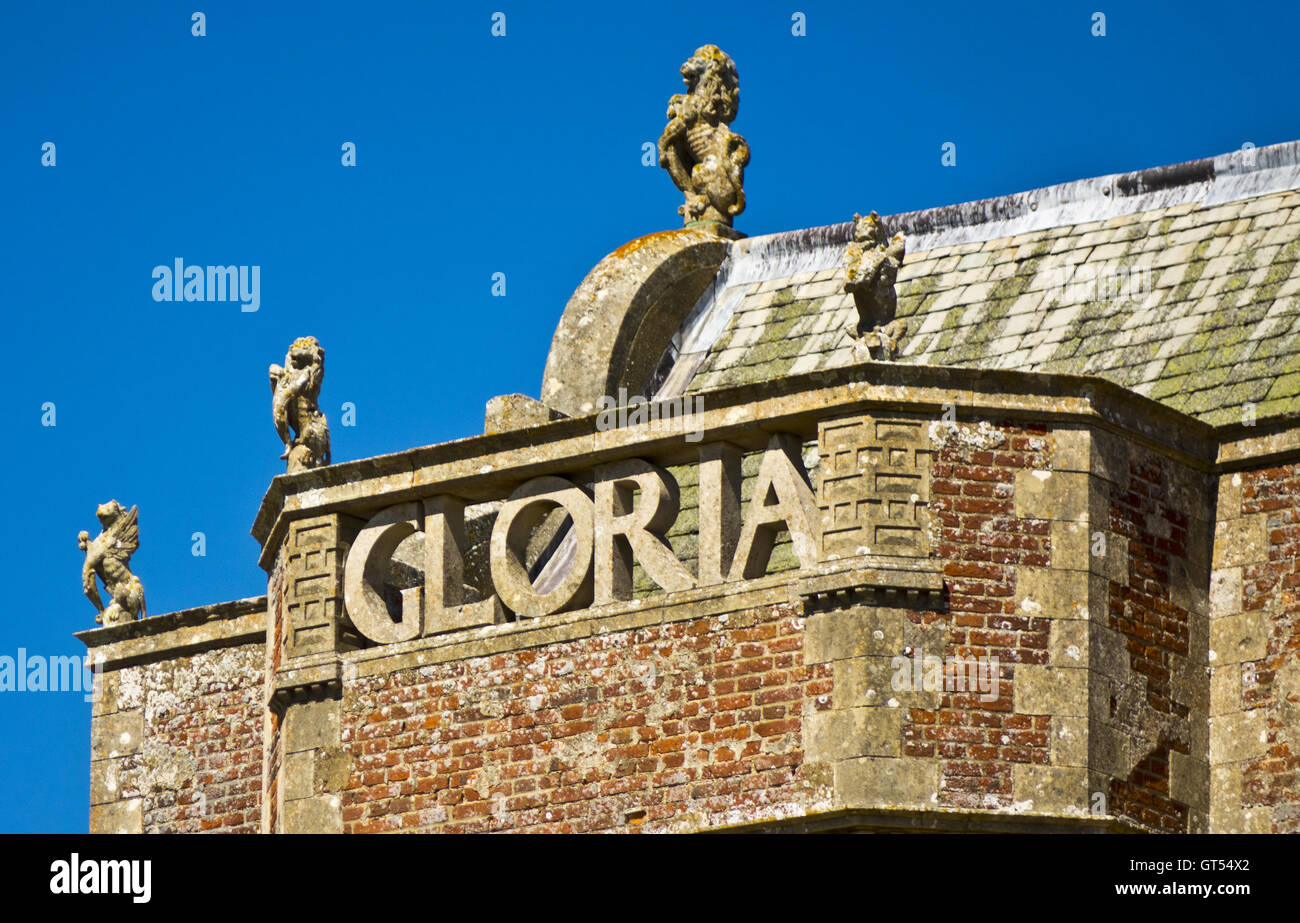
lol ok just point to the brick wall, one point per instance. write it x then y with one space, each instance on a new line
692 722
1155 629
197 766
981 540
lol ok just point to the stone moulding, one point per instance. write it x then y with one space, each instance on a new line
854 411
620 320
483 468
903 580
176 634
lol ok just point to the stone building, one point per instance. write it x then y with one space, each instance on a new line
1033 567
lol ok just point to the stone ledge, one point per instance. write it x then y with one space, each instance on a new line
175 634
912 577
684 605
937 820
306 682
486 467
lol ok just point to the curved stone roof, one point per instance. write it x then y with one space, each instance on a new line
1180 283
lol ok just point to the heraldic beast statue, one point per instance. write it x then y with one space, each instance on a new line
698 149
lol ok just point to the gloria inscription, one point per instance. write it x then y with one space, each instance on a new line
623 519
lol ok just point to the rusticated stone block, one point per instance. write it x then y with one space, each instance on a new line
1241 541
1069 744
847 733
118 734
854 633
1043 592
1239 736
1051 691
1054 789
887 782
1239 638
117 817
1060 495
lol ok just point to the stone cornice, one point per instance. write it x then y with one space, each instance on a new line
175 634
485 467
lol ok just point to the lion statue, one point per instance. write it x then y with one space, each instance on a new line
871 268
705 159
295 395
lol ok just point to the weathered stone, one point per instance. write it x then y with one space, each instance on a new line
1051 691
311 725
853 732
1054 789
1239 736
117 817
1069 745
870 269
1189 780
317 814
1238 638
1052 594
295 405
118 734
508 412
705 159
1044 494
1225 592
886 782
1241 541
853 633
108 557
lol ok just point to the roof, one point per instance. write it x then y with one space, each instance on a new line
1179 283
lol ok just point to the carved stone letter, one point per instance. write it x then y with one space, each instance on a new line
720 480
445 608
364 572
519 516
623 532
782 500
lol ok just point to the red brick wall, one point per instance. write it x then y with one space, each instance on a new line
1274 780
620 732
1142 610
200 766
980 539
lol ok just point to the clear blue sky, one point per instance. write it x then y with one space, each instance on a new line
475 154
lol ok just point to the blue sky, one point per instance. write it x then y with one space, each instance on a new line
475 154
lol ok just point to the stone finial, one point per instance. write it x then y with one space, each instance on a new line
295 395
108 557
698 149
871 265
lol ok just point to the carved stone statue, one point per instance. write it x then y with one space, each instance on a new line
870 271
698 149
295 393
108 557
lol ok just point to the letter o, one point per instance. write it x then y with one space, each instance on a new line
519 516
364 571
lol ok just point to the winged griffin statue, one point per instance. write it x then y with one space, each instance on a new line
107 558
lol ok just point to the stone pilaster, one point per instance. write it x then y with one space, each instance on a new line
305 759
